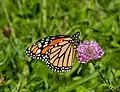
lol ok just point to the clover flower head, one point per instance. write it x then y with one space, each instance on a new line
89 50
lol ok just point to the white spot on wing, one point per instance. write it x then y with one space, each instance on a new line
42 41
47 39
26 51
46 42
28 54
38 58
45 45
38 55
39 50
55 44
31 56
29 48
39 45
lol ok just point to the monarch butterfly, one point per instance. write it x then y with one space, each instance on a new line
57 51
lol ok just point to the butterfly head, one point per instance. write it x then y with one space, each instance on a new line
76 39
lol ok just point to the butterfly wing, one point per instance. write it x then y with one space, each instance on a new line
40 50
57 51
61 56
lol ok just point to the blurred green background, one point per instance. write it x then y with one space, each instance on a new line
30 20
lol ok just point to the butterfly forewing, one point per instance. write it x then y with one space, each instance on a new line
36 50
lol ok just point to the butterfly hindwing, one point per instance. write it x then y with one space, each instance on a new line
61 56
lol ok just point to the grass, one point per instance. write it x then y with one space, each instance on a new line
31 20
